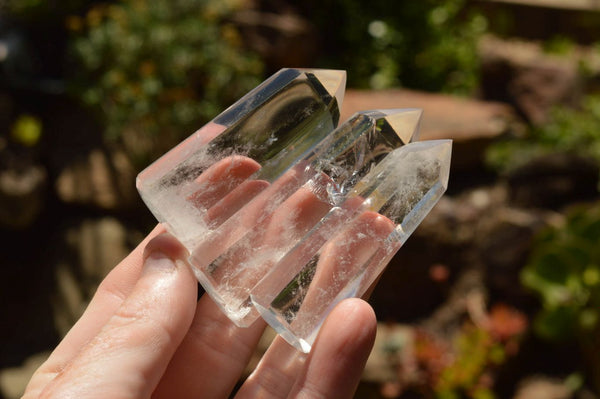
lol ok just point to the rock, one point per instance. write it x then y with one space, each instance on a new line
474 242
103 179
92 248
69 300
472 124
451 223
393 347
579 20
521 74
273 34
554 180
504 240
482 229
21 195
409 288
542 388
101 244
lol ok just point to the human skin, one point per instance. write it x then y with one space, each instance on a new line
144 334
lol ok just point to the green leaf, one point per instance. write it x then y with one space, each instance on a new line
556 324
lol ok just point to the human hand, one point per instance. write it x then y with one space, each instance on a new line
145 335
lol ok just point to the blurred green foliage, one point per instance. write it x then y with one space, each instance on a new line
429 44
559 45
44 15
568 130
468 366
564 270
476 352
169 66
26 130
165 66
479 351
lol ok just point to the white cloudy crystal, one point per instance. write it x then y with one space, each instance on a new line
206 178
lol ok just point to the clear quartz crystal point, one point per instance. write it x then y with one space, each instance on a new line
206 178
232 260
349 248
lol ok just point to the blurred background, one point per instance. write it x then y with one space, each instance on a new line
496 295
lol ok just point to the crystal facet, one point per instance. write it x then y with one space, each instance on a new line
209 176
348 249
284 215
231 260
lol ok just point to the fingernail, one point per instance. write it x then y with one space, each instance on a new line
159 261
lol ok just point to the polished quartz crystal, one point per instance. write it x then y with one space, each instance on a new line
283 214
233 259
208 177
345 252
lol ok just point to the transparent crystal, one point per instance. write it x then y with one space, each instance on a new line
208 177
233 258
347 250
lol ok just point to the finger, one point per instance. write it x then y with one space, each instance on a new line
110 295
212 356
276 234
129 355
234 201
295 217
350 250
337 359
275 374
342 259
253 213
220 179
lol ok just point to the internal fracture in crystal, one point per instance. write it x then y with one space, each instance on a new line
349 248
209 176
283 214
238 254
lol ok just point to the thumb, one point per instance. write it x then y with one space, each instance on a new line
131 352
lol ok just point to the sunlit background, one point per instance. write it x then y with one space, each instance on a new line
496 295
